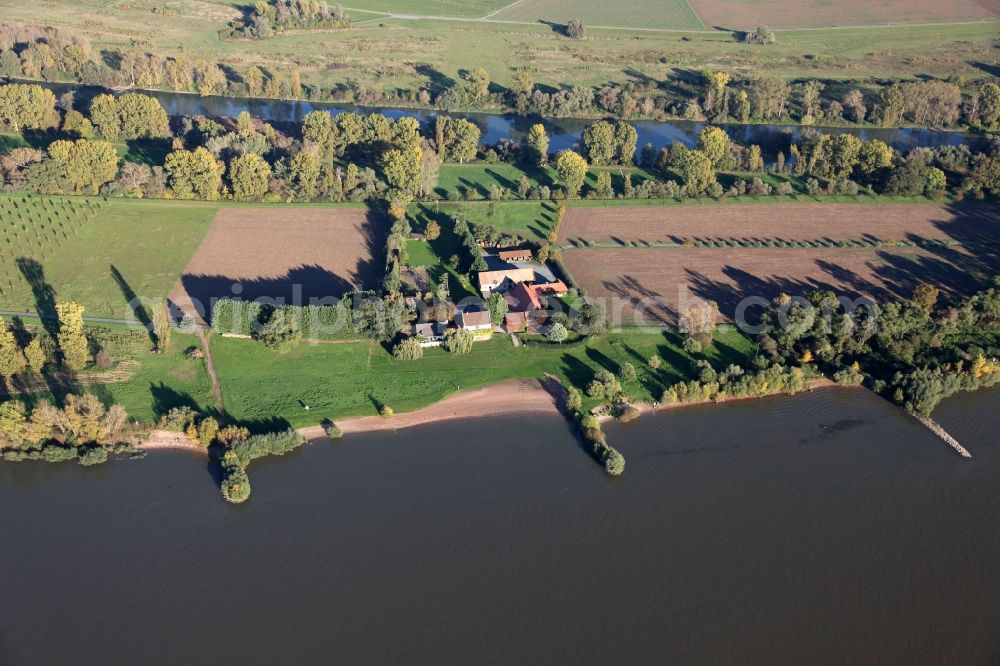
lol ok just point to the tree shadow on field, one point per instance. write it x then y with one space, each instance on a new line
297 287
43 292
134 302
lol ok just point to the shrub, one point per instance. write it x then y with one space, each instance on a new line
629 413
458 341
654 362
93 455
178 419
267 444
627 372
408 349
281 333
385 411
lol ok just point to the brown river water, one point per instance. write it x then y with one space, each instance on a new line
826 528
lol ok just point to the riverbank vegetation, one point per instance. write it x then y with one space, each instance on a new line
356 158
915 352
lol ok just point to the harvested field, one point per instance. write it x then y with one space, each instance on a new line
793 221
656 282
292 254
743 15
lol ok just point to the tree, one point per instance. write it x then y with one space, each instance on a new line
11 358
73 343
477 83
249 176
402 168
461 140
714 142
604 189
318 128
433 231
854 104
459 341
557 333
925 296
88 164
281 333
193 174
429 170
627 372
408 349
522 83
626 140
575 29
254 80
572 171
696 172
538 144
755 161
873 156
989 104
742 110
161 326
128 117
762 35
27 106
35 355
599 140
304 170
497 305
768 95
698 322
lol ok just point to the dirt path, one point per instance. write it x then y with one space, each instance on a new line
216 387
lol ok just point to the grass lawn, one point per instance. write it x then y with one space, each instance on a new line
479 178
345 380
97 252
532 220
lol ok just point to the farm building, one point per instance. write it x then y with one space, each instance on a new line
515 322
476 322
430 334
490 281
531 297
522 254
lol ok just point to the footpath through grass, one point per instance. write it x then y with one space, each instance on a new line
345 380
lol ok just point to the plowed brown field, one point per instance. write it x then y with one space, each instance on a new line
293 254
794 221
656 283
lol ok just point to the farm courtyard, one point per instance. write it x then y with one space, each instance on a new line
294 253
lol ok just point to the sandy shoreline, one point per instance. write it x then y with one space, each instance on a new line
505 398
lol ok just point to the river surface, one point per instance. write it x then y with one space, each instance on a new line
825 528
563 132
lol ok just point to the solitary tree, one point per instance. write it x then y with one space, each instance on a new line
572 170
161 326
557 332
73 343
575 29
